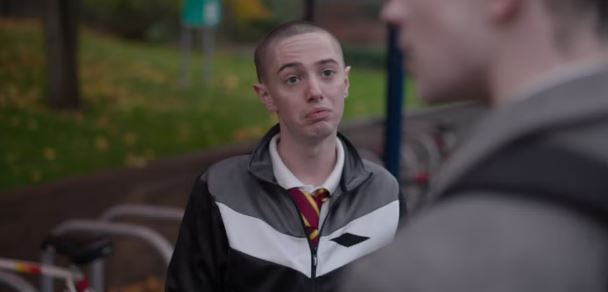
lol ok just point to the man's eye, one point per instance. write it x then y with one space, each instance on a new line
292 80
328 73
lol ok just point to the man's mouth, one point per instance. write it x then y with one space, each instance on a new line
317 114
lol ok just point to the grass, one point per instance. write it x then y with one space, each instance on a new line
134 109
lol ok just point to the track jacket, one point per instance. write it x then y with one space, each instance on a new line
243 232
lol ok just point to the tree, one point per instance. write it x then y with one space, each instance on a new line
309 10
61 38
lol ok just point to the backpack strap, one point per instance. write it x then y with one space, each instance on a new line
542 171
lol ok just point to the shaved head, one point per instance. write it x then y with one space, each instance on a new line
281 32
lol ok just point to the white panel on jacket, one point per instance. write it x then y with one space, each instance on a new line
254 237
379 227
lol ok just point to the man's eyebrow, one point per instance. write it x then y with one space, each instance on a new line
327 61
288 65
296 64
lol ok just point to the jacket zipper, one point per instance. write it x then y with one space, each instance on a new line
313 251
315 258
313 277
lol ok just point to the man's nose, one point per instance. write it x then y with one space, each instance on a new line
314 89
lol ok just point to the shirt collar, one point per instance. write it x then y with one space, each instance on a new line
286 179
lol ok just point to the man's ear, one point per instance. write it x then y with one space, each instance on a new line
503 10
262 92
346 81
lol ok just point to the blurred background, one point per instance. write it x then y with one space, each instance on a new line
131 106
110 103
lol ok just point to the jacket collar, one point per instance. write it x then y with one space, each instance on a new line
578 99
353 174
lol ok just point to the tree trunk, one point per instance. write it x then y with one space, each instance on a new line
61 32
309 10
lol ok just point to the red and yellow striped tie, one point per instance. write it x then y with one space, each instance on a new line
309 206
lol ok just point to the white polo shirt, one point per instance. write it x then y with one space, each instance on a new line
286 179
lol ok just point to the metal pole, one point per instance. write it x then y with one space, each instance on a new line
394 105
309 10
97 275
47 283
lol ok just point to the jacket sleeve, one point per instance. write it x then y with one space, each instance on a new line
199 259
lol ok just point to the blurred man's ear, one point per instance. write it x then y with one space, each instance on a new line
501 10
265 97
346 81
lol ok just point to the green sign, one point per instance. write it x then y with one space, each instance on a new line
201 13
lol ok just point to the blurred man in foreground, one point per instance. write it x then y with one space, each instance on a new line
303 205
522 205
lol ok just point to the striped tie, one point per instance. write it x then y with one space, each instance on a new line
310 207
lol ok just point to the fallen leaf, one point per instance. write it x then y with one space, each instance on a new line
102 144
130 139
32 125
49 153
102 122
36 175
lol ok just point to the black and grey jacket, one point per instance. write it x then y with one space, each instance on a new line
242 231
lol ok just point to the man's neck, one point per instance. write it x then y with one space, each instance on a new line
310 162
522 68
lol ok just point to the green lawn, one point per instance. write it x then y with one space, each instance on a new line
134 109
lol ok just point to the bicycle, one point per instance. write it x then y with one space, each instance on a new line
74 280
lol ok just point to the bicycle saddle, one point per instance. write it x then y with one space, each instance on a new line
80 249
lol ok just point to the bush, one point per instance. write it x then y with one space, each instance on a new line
159 20
250 20
152 20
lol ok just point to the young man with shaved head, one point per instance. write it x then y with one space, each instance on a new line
522 205
291 215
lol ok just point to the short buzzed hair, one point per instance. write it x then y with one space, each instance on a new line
281 32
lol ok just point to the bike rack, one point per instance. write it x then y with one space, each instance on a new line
127 210
433 151
16 282
151 237
409 161
45 270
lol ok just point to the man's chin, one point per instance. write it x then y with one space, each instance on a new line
321 130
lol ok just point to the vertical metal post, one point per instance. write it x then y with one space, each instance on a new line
46 282
394 105
186 44
96 274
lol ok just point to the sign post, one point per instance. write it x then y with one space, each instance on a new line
204 16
